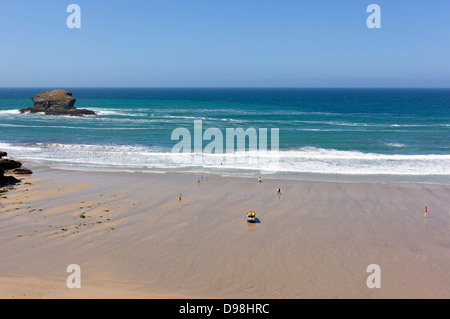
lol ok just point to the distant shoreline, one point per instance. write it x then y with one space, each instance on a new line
437 180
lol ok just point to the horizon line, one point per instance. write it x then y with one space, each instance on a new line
218 87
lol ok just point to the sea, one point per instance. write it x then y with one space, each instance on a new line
362 134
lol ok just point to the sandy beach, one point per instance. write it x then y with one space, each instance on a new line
133 137
133 239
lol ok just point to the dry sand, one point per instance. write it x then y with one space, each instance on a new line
136 241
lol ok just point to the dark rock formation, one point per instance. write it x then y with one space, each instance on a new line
56 102
2 171
7 180
9 164
2 177
22 171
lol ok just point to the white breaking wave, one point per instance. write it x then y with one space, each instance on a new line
303 160
6 112
395 144
117 112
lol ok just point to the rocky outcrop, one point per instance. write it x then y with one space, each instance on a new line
22 171
7 165
7 180
56 102
2 171
2 177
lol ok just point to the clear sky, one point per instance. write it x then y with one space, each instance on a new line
225 43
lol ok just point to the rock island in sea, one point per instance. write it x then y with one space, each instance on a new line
56 102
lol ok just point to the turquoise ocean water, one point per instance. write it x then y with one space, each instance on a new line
340 132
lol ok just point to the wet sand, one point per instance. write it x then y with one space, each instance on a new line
133 239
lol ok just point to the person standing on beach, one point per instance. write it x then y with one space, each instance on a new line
279 193
179 198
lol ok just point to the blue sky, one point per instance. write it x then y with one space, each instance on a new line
225 43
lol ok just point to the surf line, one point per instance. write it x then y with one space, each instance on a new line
234 143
